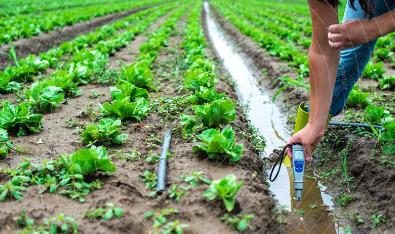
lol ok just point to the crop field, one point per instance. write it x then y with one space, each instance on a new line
90 91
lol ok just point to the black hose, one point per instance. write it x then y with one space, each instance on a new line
351 124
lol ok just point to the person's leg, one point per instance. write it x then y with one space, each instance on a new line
354 60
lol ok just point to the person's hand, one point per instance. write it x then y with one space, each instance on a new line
309 137
352 33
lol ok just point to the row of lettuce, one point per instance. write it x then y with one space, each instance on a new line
25 26
106 39
19 7
282 43
205 117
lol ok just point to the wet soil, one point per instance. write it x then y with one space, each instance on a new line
45 41
373 182
125 188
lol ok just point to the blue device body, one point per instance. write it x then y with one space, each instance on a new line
298 163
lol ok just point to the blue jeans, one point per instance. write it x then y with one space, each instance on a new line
354 60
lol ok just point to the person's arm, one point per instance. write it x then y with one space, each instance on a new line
323 63
356 32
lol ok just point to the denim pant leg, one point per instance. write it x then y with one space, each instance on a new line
354 60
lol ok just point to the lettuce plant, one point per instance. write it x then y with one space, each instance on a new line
238 222
5 79
7 85
106 213
225 189
197 77
85 65
195 178
205 95
106 132
387 82
209 115
60 79
176 192
374 114
150 179
5 143
88 161
138 74
125 109
357 98
64 80
125 89
19 117
200 74
13 188
387 136
374 71
219 144
59 224
218 112
66 175
47 99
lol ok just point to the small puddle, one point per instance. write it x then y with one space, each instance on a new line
268 119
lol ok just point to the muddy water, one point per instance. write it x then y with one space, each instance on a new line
315 207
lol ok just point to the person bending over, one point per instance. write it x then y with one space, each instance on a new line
334 73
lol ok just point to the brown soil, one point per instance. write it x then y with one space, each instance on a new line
45 41
374 187
125 188
373 181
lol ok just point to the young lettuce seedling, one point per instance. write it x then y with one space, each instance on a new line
106 132
106 213
195 178
225 189
238 222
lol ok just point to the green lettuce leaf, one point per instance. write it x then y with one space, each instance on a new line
5 143
125 109
213 114
138 74
106 132
19 117
357 98
90 161
225 189
124 89
218 145
205 95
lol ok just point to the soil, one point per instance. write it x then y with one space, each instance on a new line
373 182
125 188
45 41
